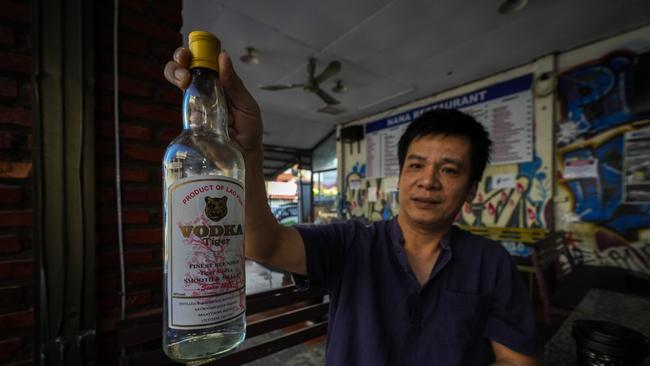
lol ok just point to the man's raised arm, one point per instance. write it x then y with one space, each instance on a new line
266 241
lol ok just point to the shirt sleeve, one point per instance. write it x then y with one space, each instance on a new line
511 321
325 250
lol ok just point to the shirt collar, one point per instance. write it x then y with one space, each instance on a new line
397 238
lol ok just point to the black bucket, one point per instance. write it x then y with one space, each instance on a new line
601 343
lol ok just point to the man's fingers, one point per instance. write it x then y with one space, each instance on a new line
183 56
233 86
177 74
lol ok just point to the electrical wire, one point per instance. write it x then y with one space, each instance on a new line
118 178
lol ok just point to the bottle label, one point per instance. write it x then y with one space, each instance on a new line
206 279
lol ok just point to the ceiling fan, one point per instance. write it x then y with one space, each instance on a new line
312 84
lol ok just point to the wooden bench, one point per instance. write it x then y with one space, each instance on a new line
141 340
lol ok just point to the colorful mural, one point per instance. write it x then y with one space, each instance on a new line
369 199
605 227
524 203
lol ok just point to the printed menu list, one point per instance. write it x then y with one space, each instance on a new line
505 109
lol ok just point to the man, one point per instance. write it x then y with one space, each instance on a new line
414 290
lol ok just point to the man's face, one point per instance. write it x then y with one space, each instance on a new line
435 180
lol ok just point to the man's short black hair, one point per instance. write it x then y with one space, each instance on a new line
455 123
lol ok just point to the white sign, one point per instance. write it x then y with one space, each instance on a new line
580 169
504 109
504 181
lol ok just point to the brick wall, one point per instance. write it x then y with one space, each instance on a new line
16 255
149 119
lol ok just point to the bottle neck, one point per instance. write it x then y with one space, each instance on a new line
204 104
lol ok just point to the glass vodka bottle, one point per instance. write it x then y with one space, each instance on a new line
203 184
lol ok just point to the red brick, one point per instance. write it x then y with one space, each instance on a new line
155 195
15 141
7 36
141 67
132 257
171 15
147 313
106 324
137 5
104 107
108 260
18 116
127 86
17 320
7 140
106 195
9 348
129 216
8 87
15 62
139 298
105 129
144 277
15 218
135 175
17 268
15 170
106 148
154 29
16 11
133 132
143 236
25 93
172 96
29 362
11 194
151 113
128 175
9 244
139 257
108 237
168 135
153 154
11 295
134 44
135 194
108 304
108 282
142 194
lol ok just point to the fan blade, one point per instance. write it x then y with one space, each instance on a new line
280 87
311 68
326 97
332 69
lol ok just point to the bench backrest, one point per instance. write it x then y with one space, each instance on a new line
141 339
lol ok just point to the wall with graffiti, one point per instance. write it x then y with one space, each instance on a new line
603 163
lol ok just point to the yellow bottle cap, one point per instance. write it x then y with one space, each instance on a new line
205 48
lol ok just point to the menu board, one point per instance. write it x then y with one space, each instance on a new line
505 109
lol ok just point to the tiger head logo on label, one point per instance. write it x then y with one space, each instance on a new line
216 208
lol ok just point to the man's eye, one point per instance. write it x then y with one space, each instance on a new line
449 171
415 166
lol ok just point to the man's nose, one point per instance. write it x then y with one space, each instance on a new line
430 179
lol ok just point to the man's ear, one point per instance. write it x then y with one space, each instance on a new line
472 192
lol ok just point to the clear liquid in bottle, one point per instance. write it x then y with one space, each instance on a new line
203 184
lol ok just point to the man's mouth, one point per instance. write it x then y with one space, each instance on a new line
426 202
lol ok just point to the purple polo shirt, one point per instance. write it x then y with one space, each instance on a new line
380 315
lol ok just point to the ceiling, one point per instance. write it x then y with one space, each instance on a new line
391 52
